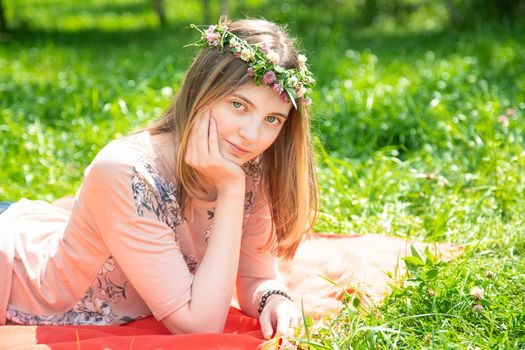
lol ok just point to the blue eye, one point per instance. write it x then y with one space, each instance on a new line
236 104
273 120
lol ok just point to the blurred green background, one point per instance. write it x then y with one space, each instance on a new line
419 111
408 97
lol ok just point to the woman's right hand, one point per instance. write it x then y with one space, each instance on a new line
204 156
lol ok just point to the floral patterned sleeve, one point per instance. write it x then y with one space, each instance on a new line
137 215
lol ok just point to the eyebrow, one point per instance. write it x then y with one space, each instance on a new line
253 105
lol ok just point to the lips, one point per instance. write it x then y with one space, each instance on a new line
237 148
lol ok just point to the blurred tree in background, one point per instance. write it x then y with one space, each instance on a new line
159 6
469 12
3 25
461 13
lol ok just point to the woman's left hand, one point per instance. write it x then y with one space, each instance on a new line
280 314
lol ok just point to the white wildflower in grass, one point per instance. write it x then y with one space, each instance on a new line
511 112
443 182
477 307
166 91
476 293
490 275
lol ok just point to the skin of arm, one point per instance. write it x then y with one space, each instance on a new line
213 283
212 287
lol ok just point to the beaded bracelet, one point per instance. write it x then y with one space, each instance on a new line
267 294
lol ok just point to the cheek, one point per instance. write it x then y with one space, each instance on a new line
221 121
270 137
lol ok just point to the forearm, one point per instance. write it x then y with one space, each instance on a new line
213 283
250 291
218 268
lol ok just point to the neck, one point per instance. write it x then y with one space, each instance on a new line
209 194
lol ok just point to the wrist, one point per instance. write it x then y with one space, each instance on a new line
232 189
269 293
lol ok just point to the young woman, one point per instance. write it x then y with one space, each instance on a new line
170 218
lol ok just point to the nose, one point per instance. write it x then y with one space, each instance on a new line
249 130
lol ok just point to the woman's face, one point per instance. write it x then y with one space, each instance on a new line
248 121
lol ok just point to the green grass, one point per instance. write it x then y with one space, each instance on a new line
409 115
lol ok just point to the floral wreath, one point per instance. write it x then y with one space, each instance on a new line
290 84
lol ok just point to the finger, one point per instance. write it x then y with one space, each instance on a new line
190 149
199 141
213 141
296 324
266 325
283 325
202 136
192 152
297 320
286 345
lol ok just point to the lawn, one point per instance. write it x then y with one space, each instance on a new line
420 130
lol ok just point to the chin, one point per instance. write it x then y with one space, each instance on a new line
232 158
239 162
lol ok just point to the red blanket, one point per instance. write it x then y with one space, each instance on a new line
241 332
358 263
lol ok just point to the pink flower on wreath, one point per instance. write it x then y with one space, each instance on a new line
277 88
280 91
265 47
269 77
306 101
300 90
210 29
211 35
284 97
250 71
212 39
237 54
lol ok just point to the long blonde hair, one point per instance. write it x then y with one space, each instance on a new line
288 178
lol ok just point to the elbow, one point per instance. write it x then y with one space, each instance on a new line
211 329
194 329
192 325
206 325
209 324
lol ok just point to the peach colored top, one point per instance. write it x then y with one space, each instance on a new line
125 251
